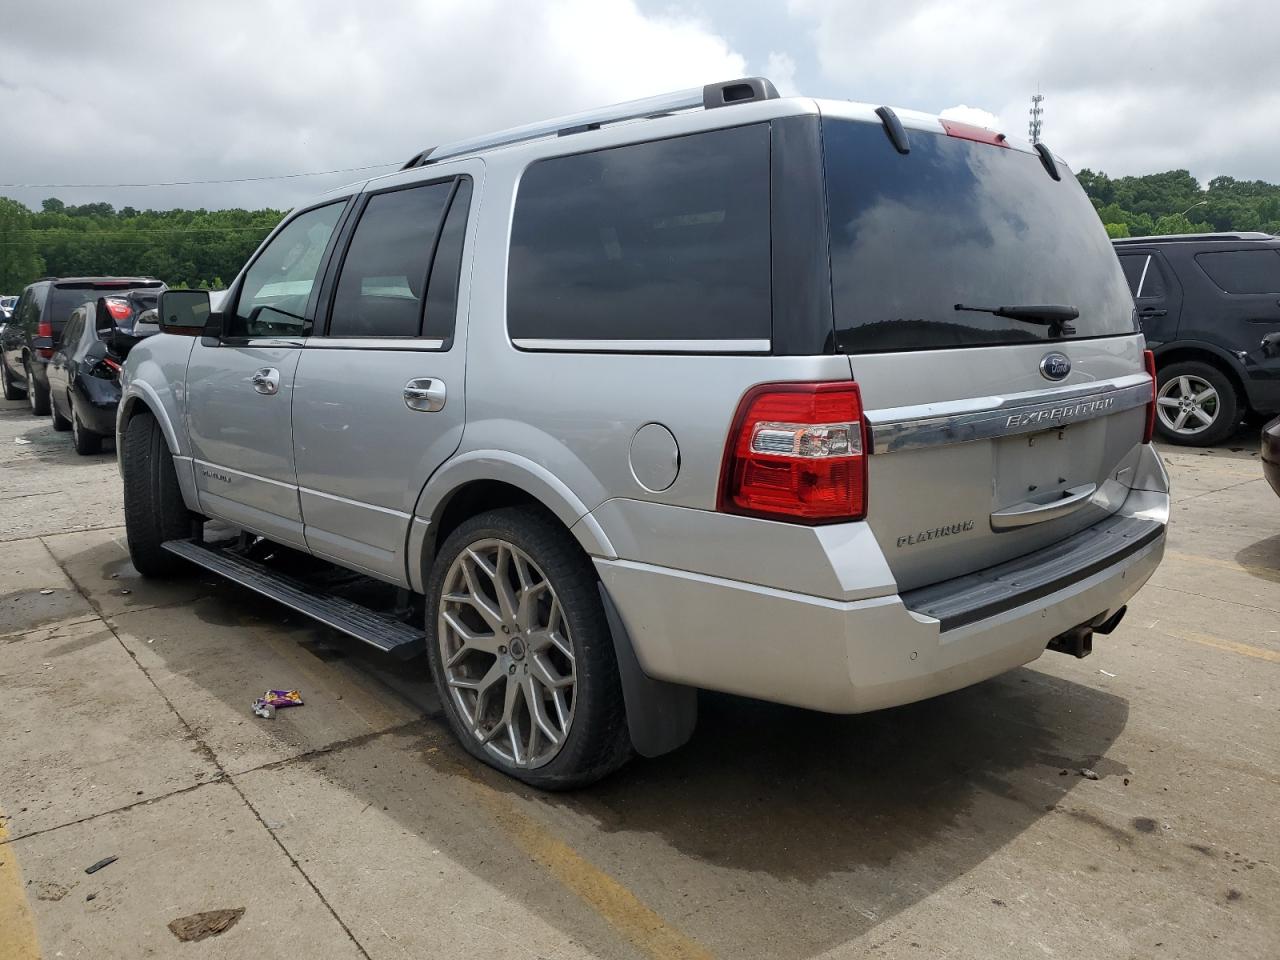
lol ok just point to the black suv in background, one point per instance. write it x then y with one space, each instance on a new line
30 337
1207 304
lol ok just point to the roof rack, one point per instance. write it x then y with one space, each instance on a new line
1195 237
724 94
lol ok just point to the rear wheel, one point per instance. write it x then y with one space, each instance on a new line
521 651
1196 404
37 397
153 507
9 388
60 423
86 441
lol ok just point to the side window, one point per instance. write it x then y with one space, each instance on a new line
1133 265
71 332
667 240
1243 271
35 308
273 298
384 274
442 288
1151 283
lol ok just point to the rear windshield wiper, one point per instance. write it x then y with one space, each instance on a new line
1056 316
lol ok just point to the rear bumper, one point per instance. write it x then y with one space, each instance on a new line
854 656
96 402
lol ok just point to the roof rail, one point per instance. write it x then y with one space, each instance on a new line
724 94
1196 237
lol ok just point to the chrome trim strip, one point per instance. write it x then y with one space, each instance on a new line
347 501
375 343
215 469
983 418
646 346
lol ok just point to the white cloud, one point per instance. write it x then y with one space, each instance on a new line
974 115
781 69
244 88
1128 88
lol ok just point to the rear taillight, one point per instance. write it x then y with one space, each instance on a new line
44 329
1149 359
119 309
796 452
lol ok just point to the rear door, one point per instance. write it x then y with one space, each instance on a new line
240 389
378 398
991 437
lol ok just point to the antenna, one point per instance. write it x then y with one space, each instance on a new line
1037 111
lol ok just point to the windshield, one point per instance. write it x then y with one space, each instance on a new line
955 221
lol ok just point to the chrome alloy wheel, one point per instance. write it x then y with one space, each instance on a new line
1187 405
506 653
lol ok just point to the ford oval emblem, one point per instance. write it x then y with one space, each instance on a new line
1055 366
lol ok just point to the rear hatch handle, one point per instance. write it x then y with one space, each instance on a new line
1038 511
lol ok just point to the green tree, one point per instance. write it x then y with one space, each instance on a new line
19 261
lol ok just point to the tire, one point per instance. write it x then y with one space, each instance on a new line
87 443
7 386
153 507
1201 398
588 715
37 398
61 423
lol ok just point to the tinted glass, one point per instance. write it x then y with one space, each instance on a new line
1133 265
1243 271
384 274
273 299
62 301
442 290
1152 285
656 241
955 222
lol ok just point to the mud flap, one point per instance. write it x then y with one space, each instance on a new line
660 715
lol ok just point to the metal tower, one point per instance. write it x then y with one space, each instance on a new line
1037 111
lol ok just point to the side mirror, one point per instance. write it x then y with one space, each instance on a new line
1271 345
184 312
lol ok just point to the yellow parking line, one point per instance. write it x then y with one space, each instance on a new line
17 926
1245 649
1266 573
641 926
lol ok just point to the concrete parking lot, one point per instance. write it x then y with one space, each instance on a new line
353 827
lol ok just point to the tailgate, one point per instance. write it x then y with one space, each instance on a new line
987 462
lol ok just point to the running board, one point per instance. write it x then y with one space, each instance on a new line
378 630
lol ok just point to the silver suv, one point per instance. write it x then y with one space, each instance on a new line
809 401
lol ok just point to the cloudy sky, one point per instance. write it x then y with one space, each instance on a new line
232 89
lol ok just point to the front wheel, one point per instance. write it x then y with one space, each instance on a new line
153 508
521 651
1196 405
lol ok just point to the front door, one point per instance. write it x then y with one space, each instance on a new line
378 398
241 388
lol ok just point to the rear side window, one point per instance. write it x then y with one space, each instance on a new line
659 241
955 221
1243 271
384 275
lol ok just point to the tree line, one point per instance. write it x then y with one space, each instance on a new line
206 248
184 248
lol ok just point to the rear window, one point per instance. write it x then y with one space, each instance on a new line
956 221
1243 271
65 299
659 241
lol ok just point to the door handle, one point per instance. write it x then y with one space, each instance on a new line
425 395
1152 312
1031 511
266 381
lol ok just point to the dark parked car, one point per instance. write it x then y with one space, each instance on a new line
84 372
38 320
1206 302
